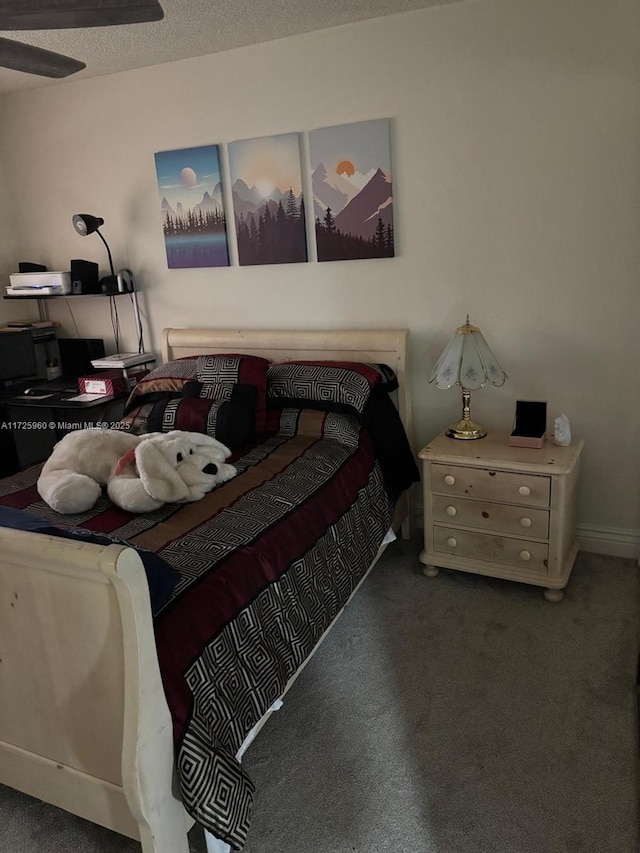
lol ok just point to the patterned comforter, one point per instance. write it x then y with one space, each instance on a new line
266 562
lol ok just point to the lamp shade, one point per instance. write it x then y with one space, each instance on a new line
467 361
85 223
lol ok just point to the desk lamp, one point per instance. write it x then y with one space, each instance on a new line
123 282
86 224
468 362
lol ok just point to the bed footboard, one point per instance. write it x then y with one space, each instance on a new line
84 724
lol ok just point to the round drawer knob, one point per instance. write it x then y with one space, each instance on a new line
449 480
451 510
525 522
451 542
525 555
524 490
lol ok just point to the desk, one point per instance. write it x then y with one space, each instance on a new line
31 425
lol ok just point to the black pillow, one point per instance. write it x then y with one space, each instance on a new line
229 417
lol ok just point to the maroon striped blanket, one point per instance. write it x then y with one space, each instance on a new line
266 561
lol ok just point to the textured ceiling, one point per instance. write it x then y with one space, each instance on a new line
195 28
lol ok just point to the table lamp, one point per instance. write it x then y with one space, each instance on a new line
86 224
468 362
123 282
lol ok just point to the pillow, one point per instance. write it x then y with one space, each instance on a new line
230 417
388 380
340 386
224 370
161 577
340 427
216 376
163 383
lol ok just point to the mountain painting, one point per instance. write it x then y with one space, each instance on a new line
352 192
193 217
268 204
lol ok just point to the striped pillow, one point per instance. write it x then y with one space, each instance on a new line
340 386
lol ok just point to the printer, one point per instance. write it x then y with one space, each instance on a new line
39 284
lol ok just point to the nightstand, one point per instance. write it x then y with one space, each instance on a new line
507 512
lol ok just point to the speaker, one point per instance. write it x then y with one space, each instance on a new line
76 355
84 277
28 266
109 284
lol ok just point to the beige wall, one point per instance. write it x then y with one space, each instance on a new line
8 235
515 151
7 243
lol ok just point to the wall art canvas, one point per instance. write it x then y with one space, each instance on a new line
193 216
352 190
268 204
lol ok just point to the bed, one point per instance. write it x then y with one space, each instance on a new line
134 714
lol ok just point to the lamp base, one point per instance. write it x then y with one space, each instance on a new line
466 429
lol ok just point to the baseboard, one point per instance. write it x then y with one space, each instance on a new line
615 541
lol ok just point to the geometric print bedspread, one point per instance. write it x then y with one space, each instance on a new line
266 562
305 522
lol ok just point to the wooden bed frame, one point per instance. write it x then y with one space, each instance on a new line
84 724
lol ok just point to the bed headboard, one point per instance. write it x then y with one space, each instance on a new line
387 346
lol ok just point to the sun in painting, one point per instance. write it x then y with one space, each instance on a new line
265 187
188 177
345 167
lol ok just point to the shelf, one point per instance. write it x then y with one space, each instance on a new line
41 299
61 295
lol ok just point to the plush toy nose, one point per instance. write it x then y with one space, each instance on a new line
210 468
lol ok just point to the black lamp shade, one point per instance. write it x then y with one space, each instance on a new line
85 223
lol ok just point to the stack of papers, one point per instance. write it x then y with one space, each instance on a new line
29 324
123 359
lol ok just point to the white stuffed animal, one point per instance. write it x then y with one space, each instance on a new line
141 472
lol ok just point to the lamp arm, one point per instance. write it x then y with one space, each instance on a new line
137 320
113 272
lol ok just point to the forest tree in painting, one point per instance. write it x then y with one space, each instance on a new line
193 218
352 191
267 200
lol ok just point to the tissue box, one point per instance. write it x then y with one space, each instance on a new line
104 382
530 424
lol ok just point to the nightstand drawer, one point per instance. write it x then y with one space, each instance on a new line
487 484
517 553
494 517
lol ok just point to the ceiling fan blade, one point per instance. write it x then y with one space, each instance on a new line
69 14
35 60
